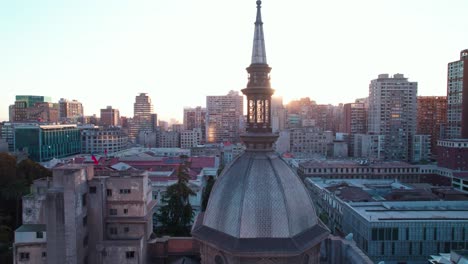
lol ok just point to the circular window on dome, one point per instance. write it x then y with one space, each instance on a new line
306 259
219 259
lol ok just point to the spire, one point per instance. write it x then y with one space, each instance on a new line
259 52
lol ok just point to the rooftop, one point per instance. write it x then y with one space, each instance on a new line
31 228
412 211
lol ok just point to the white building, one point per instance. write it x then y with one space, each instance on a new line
393 113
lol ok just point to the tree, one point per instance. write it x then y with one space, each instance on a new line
206 192
176 213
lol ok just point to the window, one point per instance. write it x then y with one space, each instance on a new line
125 211
113 211
109 192
44 254
24 256
85 241
83 199
130 254
113 230
39 235
92 189
126 229
125 191
85 220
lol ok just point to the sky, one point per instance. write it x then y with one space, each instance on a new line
180 51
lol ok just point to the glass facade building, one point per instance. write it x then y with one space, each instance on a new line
44 143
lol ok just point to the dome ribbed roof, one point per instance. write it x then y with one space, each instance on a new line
259 196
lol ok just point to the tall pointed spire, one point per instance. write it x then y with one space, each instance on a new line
258 136
259 52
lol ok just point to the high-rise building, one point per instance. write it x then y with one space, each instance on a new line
392 113
354 122
43 112
19 111
457 97
195 118
432 118
70 110
224 117
110 116
142 116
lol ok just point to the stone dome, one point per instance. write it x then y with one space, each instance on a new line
258 195
258 199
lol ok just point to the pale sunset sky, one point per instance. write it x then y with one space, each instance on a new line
179 51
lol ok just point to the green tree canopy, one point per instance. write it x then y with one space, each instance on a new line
176 213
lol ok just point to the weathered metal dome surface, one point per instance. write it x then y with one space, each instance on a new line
259 196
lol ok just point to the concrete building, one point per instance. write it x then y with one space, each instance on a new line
7 133
224 118
457 97
142 116
98 140
432 119
309 141
70 110
45 142
421 148
369 146
43 112
278 114
354 122
22 103
453 154
392 113
81 217
191 138
195 118
169 139
391 231
110 117
347 169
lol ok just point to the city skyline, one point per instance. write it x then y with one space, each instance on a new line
180 52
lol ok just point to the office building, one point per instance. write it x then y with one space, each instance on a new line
457 97
195 118
142 116
224 118
392 113
191 138
432 119
110 117
71 111
309 141
33 108
389 226
100 140
421 148
354 122
45 142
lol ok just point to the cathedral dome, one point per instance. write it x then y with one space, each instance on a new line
258 195
257 206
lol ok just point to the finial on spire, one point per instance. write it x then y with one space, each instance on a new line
259 52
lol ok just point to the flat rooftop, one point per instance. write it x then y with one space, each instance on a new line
412 211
